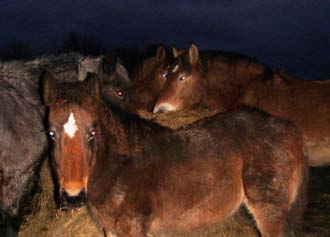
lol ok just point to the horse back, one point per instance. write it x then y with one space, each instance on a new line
225 78
185 173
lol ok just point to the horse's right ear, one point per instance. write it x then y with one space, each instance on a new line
177 52
161 54
49 85
92 84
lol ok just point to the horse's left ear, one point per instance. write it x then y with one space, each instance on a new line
49 87
193 54
92 85
109 62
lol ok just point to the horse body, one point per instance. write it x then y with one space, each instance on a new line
225 82
307 103
22 144
144 179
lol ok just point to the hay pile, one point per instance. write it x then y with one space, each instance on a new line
48 221
177 119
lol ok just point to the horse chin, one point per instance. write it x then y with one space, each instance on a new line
72 202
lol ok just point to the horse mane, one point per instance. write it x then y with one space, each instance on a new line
209 57
126 128
69 92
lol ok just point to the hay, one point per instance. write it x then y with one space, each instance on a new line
47 220
177 119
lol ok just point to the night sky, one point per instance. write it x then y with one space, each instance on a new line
289 34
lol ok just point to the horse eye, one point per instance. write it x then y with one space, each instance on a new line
120 93
51 134
182 78
164 75
91 135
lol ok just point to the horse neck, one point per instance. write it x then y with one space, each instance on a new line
127 133
111 147
237 72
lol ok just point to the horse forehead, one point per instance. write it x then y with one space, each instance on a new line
181 64
175 68
71 116
81 115
70 126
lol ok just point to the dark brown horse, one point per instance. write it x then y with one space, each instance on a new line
149 79
143 179
115 82
224 82
23 145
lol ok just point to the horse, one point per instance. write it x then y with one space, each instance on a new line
23 145
148 80
223 83
141 179
138 93
211 79
114 77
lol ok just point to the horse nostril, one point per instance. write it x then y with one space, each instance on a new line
162 110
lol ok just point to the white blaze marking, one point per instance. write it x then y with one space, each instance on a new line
70 127
176 67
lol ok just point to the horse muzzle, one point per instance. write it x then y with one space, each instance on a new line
163 108
72 201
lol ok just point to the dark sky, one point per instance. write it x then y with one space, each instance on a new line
289 34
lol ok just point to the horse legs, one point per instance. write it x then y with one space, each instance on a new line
271 219
126 226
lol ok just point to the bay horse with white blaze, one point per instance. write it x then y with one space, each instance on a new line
225 81
142 179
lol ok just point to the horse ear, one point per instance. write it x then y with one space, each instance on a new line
177 52
88 64
92 84
109 63
161 54
193 54
49 87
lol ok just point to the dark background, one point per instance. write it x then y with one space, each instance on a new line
290 34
